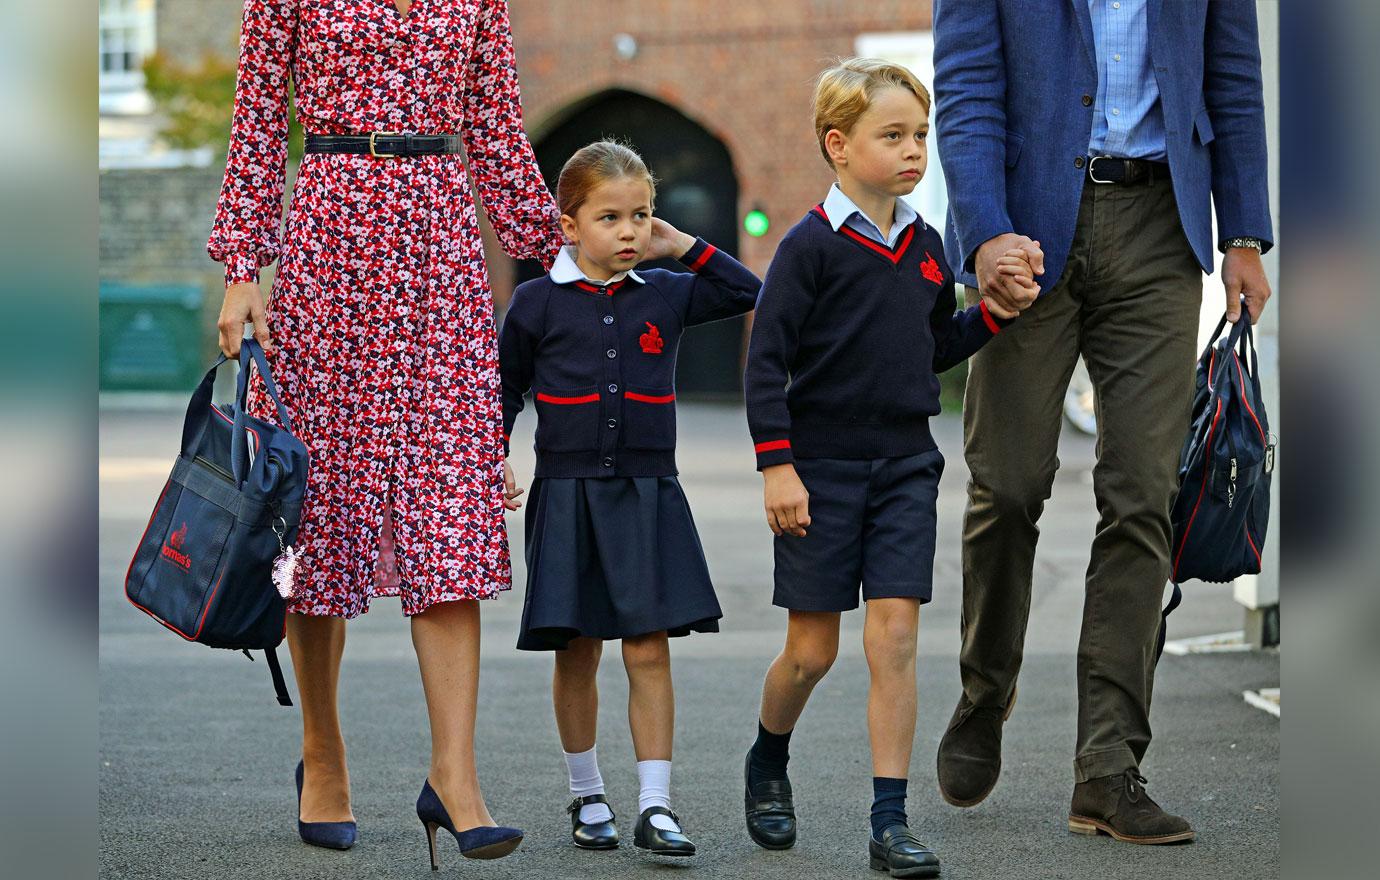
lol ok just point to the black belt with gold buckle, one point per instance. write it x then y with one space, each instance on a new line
1125 172
384 144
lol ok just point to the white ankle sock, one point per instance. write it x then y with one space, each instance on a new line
655 780
586 780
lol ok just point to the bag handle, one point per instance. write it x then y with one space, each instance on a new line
250 352
199 406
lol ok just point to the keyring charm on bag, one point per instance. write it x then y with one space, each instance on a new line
285 566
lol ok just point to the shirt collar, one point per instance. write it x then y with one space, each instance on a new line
565 270
838 207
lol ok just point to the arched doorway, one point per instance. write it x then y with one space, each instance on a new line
697 192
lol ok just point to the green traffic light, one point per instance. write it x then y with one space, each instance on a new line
756 223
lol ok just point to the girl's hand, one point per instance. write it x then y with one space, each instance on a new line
667 241
243 303
787 501
511 490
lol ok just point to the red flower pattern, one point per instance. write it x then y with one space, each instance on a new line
381 314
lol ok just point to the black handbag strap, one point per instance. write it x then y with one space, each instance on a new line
199 408
250 352
279 683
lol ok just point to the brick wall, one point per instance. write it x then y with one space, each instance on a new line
744 71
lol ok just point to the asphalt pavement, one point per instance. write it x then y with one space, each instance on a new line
196 758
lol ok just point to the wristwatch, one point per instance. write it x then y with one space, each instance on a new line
1253 243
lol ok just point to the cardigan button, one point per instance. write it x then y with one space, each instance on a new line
612 354
608 462
613 423
608 319
613 389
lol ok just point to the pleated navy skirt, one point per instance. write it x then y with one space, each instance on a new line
614 558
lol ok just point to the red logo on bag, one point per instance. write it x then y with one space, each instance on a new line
930 269
651 341
173 554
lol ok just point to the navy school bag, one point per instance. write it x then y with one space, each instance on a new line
205 566
1222 511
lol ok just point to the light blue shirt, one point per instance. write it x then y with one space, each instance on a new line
842 211
1127 119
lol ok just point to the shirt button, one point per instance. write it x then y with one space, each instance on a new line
608 319
613 389
612 354
1116 112
1087 100
1116 57
1116 5
613 423
608 462
1077 161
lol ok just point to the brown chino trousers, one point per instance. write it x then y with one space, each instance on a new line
1128 301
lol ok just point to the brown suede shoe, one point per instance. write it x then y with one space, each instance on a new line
969 758
1118 805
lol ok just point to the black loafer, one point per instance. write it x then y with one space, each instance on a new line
901 854
657 841
770 811
592 835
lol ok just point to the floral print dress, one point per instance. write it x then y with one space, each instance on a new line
381 315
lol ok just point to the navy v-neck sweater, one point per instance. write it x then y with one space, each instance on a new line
847 342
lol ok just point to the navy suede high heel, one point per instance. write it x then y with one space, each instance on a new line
483 842
331 835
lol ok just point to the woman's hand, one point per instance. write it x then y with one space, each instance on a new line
667 241
787 500
243 303
511 490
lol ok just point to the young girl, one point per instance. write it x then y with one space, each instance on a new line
612 551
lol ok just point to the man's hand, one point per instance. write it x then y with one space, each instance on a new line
243 303
667 241
787 501
1243 274
1012 292
511 490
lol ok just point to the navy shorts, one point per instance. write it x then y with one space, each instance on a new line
872 523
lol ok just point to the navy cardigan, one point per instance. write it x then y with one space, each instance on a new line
858 331
602 365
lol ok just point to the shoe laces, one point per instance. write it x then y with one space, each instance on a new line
1135 784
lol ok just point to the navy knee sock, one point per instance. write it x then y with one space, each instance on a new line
769 755
888 803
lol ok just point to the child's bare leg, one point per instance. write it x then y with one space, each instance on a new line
812 643
651 698
575 693
889 638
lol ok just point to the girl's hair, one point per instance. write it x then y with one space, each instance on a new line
845 91
594 164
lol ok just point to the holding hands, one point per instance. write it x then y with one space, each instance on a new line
511 490
1006 269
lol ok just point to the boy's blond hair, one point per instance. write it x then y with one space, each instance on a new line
844 92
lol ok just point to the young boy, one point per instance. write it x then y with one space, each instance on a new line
857 317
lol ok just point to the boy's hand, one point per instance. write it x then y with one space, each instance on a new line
998 310
667 241
511 490
787 501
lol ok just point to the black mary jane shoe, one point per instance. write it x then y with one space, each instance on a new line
592 835
901 854
769 809
657 841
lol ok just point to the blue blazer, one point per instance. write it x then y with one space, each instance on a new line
1009 81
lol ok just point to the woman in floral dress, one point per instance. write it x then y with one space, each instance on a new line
382 337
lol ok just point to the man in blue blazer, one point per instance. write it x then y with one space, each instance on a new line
1103 130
